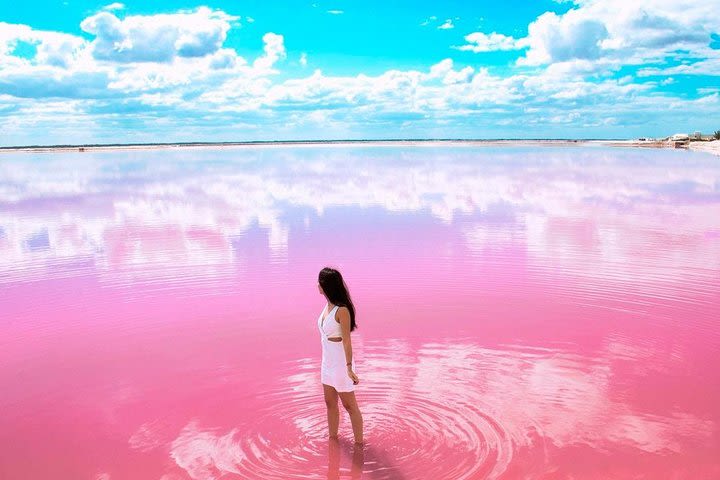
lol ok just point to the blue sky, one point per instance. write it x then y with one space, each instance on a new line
83 71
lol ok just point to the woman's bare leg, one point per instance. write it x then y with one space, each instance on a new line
350 404
333 412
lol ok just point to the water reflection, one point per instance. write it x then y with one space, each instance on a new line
137 213
336 450
525 313
456 410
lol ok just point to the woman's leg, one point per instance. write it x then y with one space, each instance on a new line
358 461
333 413
350 404
333 472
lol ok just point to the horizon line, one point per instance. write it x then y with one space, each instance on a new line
305 141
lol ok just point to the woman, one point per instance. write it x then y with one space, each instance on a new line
337 374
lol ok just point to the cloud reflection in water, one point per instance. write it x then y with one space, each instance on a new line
525 312
141 212
452 410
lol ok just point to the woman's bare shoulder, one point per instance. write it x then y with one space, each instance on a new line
342 312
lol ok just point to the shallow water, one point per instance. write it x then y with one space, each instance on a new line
534 313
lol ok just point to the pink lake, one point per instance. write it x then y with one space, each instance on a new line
524 313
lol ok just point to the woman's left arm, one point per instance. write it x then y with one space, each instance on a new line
344 319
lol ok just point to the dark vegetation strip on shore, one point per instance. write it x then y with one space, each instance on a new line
301 142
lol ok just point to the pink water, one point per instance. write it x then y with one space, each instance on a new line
523 313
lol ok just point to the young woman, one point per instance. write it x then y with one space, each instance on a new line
337 374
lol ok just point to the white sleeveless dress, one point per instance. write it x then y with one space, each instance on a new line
333 369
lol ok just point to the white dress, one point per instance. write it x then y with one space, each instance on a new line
333 369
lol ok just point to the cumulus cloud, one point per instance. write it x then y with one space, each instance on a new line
458 76
552 38
59 49
57 67
274 50
52 48
447 25
613 33
442 91
441 68
45 82
626 32
459 97
177 68
482 42
225 58
10 34
445 71
134 56
157 38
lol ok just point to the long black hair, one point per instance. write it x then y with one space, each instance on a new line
337 292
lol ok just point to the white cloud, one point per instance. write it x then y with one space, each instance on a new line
225 58
482 42
708 90
444 70
157 38
114 6
274 50
613 33
458 97
447 25
335 12
59 49
622 31
43 81
428 20
189 76
67 66
462 76
10 34
441 68
52 48
552 38
709 66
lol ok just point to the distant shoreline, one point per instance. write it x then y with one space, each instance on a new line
709 147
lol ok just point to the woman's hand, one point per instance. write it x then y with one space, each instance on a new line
352 376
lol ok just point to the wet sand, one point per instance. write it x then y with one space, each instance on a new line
708 147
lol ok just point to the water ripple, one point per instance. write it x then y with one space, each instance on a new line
414 427
445 410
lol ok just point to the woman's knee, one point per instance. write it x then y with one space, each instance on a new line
351 407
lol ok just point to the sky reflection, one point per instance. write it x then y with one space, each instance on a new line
523 313
129 210
473 412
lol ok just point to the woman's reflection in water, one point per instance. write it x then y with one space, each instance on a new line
335 450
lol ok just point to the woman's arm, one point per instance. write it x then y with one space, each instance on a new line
344 319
